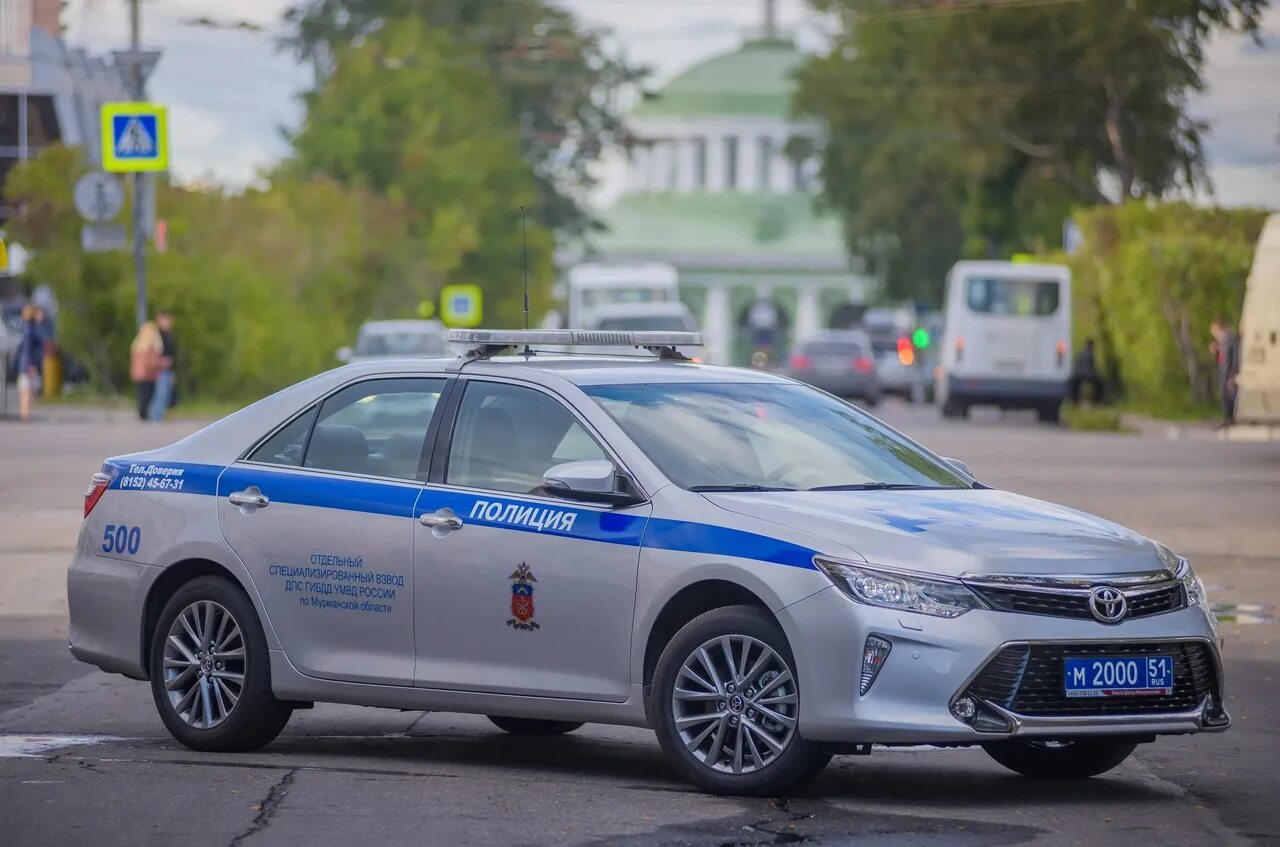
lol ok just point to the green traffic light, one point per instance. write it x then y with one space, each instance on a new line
920 338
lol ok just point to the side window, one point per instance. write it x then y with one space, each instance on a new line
507 437
375 427
286 446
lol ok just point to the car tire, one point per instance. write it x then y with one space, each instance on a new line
954 409
1061 760
1050 413
682 729
533 726
193 686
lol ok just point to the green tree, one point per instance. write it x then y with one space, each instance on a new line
557 79
1148 279
412 115
985 124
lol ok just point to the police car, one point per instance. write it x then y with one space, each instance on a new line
762 573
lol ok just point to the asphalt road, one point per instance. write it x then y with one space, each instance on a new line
85 760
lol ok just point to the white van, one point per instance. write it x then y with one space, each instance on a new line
1007 339
1258 400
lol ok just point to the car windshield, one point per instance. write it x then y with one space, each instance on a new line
766 437
669 323
400 344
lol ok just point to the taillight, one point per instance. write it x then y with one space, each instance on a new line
800 362
863 365
97 487
1062 352
959 349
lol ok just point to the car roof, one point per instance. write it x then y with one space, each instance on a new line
577 369
851 335
402 326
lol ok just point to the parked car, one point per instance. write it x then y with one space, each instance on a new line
397 340
839 362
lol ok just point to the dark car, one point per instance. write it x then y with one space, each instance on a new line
838 362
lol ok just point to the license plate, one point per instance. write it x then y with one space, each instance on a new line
1119 676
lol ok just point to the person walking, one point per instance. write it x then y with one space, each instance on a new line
1226 348
1084 373
30 359
146 356
162 396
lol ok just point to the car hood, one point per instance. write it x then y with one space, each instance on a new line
980 531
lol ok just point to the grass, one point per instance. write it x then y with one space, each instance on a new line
1090 418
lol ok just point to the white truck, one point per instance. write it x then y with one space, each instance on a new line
1007 338
1258 400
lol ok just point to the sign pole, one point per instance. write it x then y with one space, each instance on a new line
139 179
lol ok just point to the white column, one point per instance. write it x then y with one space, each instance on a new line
715 163
639 168
717 325
808 314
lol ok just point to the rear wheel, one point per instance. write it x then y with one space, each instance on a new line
953 408
1050 412
726 706
1061 760
210 671
533 726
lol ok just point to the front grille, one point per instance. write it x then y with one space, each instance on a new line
1142 602
1028 679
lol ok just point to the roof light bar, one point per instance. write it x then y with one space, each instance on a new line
570 337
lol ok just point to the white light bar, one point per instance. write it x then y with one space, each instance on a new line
570 337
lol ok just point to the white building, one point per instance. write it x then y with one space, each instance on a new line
720 184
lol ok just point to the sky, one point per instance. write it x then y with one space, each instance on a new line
232 94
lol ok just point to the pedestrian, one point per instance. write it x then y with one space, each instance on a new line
1226 349
146 356
30 359
162 397
1084 373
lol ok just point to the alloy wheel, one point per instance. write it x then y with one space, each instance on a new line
735 704
204 664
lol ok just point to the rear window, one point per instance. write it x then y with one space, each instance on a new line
1019 297
658 323
833 348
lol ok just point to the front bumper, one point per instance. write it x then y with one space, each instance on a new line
933 662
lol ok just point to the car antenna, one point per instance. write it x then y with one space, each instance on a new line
524 232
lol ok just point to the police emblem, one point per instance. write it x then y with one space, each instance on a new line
522 581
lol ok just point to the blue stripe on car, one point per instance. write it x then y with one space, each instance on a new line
409 498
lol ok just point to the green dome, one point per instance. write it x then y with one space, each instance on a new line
755 79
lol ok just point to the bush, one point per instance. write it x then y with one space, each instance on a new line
1148 280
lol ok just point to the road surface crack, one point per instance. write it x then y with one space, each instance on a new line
275 796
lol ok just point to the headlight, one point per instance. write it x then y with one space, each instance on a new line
1184 573
907 592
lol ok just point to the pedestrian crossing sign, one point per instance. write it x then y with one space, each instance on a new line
135 137
461 305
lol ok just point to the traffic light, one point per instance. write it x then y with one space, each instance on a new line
920 338
906 352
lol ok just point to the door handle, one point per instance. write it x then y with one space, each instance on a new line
254 498
438 521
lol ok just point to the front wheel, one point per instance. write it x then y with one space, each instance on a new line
1060 760
533 726
726 705
210 670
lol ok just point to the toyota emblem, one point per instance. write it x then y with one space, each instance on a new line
1108 604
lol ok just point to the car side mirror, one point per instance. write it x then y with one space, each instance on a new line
592 481
960 466
344 354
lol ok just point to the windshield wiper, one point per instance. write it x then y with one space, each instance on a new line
877 486
740 486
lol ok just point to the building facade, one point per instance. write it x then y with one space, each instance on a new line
49 93
720 184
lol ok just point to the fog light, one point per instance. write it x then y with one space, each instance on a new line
874 654
964 709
